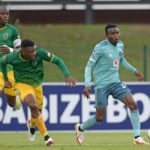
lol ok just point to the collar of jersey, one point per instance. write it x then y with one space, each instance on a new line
111 44
22 58
3 27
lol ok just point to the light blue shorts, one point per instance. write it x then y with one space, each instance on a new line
118 90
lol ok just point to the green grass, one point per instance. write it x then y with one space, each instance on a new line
74 44
66 141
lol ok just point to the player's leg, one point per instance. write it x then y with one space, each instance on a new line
37 118
121 91
101 96
11 93
135 119
27 94
39 99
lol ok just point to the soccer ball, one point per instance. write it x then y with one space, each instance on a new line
148 133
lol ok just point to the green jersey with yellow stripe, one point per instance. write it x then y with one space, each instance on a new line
8 35
32 72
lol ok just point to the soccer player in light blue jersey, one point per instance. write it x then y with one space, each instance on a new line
105 60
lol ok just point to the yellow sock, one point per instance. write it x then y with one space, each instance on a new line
39 123
32 125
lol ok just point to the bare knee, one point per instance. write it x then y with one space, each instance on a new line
133 107
34 110
99 118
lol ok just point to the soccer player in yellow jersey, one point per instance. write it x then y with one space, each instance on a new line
28 72
9 42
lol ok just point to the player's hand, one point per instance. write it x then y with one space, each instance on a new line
7 84
71 81
4 49
139 75
86 92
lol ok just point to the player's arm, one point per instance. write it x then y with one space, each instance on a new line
128 66
59 62
47 56
88 69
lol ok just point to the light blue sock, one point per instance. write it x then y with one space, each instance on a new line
89 123
135 121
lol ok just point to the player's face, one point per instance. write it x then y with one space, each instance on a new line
4 16
29 53
113 35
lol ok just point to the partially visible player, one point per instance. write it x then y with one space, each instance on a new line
28 71
9 42
105 60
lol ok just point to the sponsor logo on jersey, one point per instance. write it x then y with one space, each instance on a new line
5 36
34 63
115 63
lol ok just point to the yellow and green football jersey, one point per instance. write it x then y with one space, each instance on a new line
32 72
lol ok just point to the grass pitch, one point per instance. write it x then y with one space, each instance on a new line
67 141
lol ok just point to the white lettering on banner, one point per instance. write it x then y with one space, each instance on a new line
66 116
112 108
10 113
50 112
1 112
45 111
141 97
53 108
87 108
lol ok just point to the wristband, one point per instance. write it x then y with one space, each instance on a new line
11 50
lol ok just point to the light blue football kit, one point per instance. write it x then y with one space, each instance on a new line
105 61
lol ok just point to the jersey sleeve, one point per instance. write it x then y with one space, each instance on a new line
97 53
16 38
47 56
16 34
124 62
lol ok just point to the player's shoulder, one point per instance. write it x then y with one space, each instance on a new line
11 27
39 49
120 43
101 45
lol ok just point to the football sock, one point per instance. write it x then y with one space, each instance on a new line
32 125
89 123
135 121
39 123
18 104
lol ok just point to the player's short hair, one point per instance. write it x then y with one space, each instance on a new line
27 43
108 26
3 7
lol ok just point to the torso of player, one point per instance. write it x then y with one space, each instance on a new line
106 68
29 72
7 36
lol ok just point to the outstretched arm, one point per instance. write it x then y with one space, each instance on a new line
125 64
59 62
